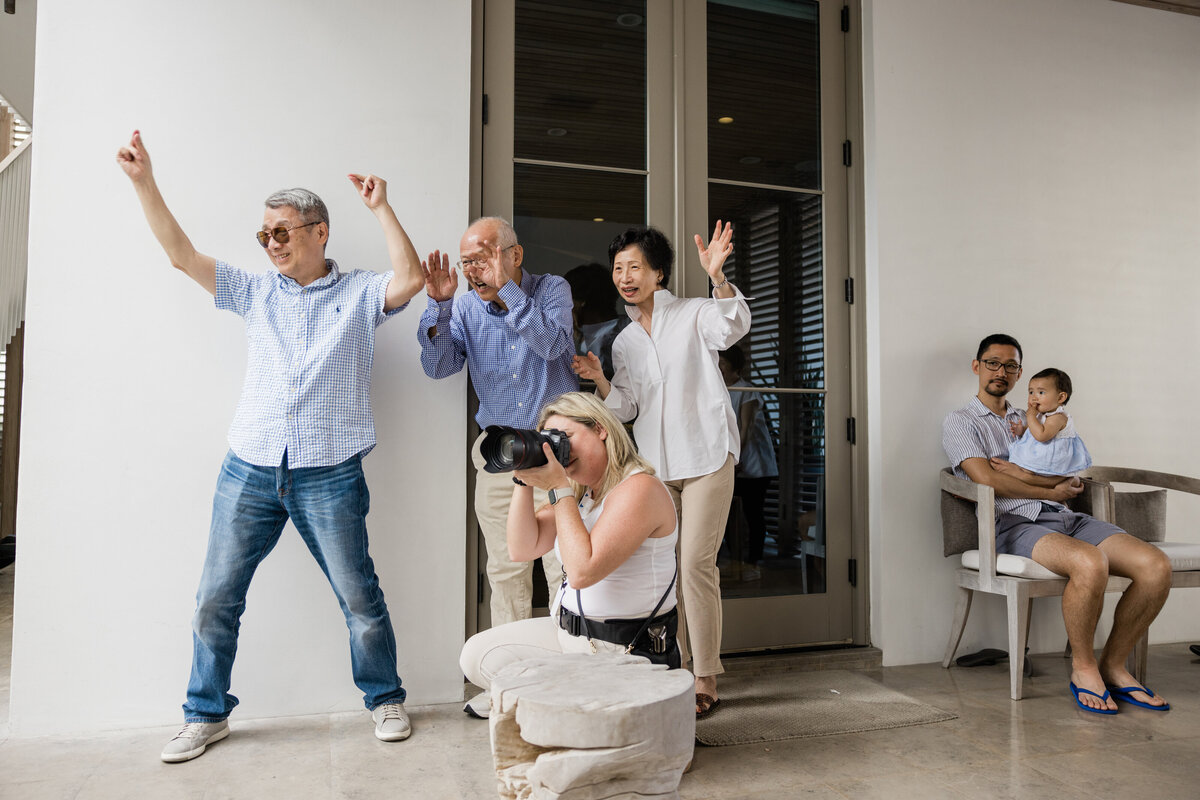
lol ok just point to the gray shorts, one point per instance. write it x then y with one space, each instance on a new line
1016 535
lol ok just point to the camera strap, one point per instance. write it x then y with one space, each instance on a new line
646 624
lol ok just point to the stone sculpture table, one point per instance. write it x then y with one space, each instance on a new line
591 727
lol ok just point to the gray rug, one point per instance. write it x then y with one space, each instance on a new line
799 705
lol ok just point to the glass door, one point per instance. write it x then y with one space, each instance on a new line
601 114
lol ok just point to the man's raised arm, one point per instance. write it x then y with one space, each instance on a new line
135 161
407 278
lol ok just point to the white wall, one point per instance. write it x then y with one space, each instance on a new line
16 57
1034 168
131 376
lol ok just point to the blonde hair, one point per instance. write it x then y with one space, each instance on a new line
589 410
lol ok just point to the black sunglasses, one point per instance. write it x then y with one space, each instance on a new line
280 234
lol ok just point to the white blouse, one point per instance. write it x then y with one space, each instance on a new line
669 380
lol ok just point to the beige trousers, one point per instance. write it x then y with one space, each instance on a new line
702 505
511 581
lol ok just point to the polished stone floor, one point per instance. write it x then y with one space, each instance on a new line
1040 747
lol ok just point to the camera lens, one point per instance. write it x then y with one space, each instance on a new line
505 449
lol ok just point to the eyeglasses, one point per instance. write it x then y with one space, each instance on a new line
477 263
993 365
280 234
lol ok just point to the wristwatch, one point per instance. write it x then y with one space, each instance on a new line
558 494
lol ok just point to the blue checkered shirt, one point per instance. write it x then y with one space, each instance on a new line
518 359
308 366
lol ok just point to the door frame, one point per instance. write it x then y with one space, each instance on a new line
668 209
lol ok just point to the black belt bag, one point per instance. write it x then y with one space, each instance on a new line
653 638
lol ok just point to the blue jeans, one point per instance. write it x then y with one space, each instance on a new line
329 508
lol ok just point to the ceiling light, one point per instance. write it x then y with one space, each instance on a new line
556 132
629 20
725 120
597 219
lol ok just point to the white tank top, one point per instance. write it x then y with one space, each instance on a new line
633 589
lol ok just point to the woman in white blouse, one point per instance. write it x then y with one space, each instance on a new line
666 379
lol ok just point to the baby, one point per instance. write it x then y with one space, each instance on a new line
1048 444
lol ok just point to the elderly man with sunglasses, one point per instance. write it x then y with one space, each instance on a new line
514 332
1031 521
302 428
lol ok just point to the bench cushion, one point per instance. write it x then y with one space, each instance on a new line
1018 566
1184 557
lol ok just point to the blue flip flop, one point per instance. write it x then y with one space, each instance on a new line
1123 694
1075 690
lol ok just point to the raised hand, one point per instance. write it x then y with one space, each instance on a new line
134 159
587 367
550 475
712 256
371 188
440 280
492 270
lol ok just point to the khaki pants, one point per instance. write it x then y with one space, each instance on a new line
511 581
702 505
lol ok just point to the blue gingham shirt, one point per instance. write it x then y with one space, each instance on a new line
976 431
308 365
518 359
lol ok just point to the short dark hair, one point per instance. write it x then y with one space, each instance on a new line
1062 381
998 338
735 357
653 245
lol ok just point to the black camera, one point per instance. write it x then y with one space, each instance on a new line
505 449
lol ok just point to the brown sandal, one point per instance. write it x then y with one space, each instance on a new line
706 704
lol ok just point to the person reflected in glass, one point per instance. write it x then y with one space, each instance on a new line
596 314
757 464
666 379
612 524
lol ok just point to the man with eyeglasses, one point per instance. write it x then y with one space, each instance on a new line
513 330
302 428
1031 521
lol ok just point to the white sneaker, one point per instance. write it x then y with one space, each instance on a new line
479 706
391 722
193 738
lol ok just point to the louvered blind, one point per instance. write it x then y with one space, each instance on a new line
779 267
13 128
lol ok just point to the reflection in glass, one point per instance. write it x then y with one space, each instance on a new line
599 314
764 100
580 70
555 211
777 263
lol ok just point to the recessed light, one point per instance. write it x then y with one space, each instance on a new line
629 20
748 160
725 120
597 219
556 132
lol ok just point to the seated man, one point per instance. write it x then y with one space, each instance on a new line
1031 521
